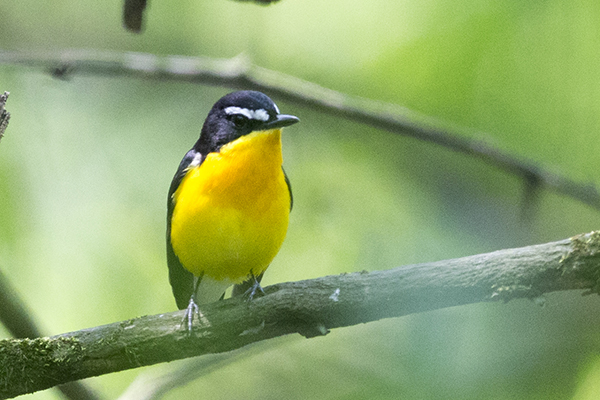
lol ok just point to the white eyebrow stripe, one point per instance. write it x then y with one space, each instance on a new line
260 115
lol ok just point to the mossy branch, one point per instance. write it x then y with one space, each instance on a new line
17 319
310 308
240 73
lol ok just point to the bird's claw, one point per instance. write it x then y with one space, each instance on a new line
253 290
191 309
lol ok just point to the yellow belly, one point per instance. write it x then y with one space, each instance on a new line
231 213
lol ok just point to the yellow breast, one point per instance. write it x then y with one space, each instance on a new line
231 213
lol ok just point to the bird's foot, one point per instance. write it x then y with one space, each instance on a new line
253 290
188 318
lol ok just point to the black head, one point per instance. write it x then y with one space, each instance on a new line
238 114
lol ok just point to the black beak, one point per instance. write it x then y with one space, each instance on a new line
281 121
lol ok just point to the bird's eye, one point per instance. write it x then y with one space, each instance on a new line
238 120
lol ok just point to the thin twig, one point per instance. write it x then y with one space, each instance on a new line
239 73
310 308
133 15
4 114
259 2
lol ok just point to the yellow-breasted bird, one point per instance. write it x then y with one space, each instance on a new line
229 202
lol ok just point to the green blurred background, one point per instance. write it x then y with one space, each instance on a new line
86 163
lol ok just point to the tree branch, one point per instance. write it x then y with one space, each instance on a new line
4 115
239 73
310 308
13 313
17 320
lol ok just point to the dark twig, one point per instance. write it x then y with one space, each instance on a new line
133 15
240 73
133 12
259 2
309 307
14 315
4 114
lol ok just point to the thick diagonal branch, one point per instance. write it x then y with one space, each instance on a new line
239 73
309 307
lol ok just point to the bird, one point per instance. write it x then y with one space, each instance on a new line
228 203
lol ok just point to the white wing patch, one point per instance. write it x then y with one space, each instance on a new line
260 115
196 161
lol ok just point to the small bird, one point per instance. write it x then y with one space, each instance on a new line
229 202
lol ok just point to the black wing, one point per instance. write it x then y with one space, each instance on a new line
182 280
289 185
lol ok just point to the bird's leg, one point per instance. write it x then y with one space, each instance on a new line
251 292
192 308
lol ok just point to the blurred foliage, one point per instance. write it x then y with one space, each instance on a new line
85 166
